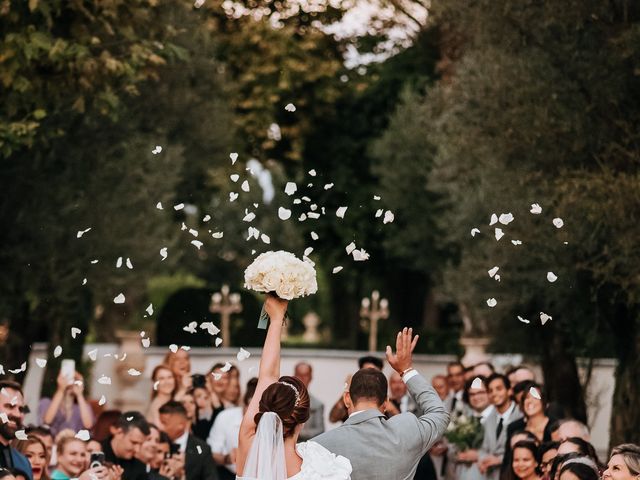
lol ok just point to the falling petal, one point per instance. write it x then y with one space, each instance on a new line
499 233
290 188
536 209
350 248
163 253
233 196
544 318
242 355
159 206
523 320
388 217
535 393
245 186
477 383
341 211
492 302
494 219
474 231
337 269
551 277
493 271
235 177
119 299
284 213
233 157
179 206
57 351
206 218
312 173
83 435
196 243
506 218
75 331
104 380
129 264
290 107
558 222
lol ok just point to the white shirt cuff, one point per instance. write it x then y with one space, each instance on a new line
409 375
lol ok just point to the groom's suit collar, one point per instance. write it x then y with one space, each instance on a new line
363 416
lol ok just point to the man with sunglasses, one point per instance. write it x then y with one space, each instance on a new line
12 411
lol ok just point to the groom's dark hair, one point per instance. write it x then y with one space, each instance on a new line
368 384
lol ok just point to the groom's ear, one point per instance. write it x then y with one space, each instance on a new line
346 398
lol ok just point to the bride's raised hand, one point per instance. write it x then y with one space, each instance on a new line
276 307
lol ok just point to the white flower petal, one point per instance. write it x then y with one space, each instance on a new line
516 242
242 355
196 243
103 400
57 351
544 318
499 233
493 271
249 217
104 380
75 331
360 255
290 107
474 231
179 206
284 213
233 196
492 302
173 348
119 298
234 177
84 281
494 219
290 188
21 435
149 309
157 150
388 217
217 234
536 209
129 264
506 218
146 342
558 222
159 206
350 248
134 373
218 342
523 320
265 239
41 362
341 211
336 269
82 232
535 393
233 157
93 354
314 236
245 186
226 368
312 173
477 383
206 218
551 277
163 253
328 186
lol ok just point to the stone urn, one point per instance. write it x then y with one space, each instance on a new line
475 350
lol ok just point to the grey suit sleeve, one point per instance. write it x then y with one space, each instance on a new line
432 415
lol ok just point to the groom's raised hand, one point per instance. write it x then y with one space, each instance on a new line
402 360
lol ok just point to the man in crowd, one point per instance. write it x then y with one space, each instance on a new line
339 412
198 463
315 425
400 401
12 412
223 438
129 434
571 428
519 374
495 426
455 378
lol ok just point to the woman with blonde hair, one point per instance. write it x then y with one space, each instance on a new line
624 463
180 364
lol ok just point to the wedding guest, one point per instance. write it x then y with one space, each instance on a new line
455 378
198 458
180 364
223 438
339 412
232 392
492 451
525 463
441 386
547 453
468 373
165 386
72 461
205 413
581 468
68 408
522 436
519 374
189 404
624 463
476 399
519 389
578 445
35 451
572 428
315 425
129 433
483 369
104 424
93 446
400 400
535 420
5 474
44 435
12 406
218 381
165 465
147 451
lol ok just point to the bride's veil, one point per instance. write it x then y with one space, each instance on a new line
266 457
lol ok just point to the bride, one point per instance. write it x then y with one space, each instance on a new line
270 427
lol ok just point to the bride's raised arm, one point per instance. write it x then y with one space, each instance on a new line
269 373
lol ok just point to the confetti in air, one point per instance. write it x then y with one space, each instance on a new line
290 107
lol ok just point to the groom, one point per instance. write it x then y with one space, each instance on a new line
381 449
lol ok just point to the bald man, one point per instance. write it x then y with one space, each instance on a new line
315 425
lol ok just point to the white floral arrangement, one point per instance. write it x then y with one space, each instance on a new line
280 273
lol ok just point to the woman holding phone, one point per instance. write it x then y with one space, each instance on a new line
68 408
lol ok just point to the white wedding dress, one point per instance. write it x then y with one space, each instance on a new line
266 457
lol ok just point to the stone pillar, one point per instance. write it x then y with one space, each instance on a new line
126 395
475 350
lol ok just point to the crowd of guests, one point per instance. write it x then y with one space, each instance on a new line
190 429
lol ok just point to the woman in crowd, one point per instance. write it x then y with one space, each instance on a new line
578 445
547 453
525 462
218 382
624 463
73 459
68 408
36 452
102 428
180 364
205 412
165 386
581 468
5 474
535 420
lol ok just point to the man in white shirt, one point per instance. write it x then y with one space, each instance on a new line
223 438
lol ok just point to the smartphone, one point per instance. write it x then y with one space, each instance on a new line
174 449
68 369
96 459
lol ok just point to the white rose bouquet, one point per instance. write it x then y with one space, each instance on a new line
282 274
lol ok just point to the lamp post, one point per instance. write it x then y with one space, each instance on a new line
374 309
226 304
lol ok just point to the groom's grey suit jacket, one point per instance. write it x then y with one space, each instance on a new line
381 449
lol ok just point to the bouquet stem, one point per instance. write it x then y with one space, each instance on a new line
264 319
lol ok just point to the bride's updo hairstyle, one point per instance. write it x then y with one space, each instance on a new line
289 399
